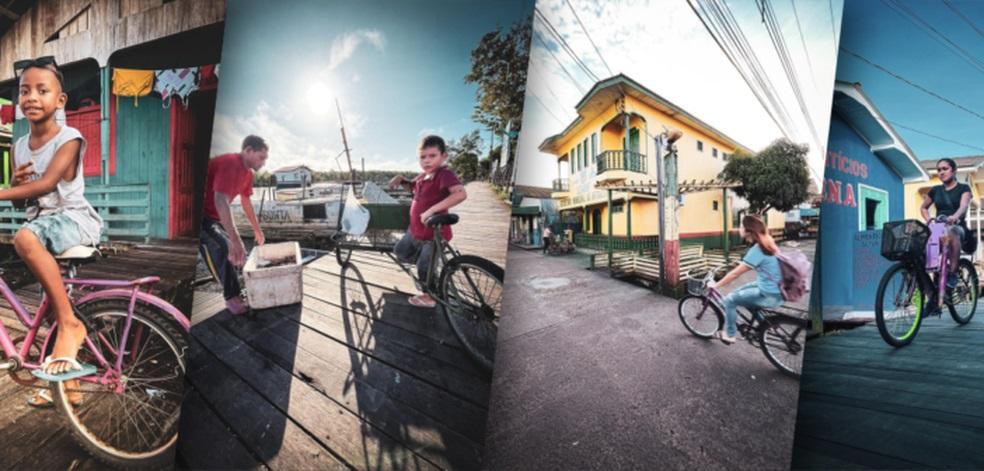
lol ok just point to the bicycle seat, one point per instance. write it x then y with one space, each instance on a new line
442 219
79 254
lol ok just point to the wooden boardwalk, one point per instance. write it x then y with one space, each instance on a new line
353 377
38 439
864 404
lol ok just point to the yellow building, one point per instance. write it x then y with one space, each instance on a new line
970 170
613 140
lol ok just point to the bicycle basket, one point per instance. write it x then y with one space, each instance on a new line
904 240
696 286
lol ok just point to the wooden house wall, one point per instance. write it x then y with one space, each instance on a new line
83 29
142 155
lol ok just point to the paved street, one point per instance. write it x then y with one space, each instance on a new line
596 373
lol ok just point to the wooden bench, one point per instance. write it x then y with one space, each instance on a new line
645 264
125 210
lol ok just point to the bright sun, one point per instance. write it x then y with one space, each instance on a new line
319 98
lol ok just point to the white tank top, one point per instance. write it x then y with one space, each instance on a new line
68 196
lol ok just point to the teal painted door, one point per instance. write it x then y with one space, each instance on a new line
596 222
634 140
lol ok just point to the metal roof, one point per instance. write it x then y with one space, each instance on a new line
857 110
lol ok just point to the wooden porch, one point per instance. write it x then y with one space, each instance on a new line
38 439
353 377
864 404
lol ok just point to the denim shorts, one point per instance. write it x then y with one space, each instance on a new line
57 232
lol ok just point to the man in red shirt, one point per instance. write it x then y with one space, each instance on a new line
229 176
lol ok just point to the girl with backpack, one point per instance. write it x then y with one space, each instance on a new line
765 291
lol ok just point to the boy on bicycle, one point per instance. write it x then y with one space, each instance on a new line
229 176
435 191
49 177
951 200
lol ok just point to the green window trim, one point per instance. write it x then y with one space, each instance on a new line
880 198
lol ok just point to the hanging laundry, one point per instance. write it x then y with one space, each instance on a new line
176 83
208 78
130 82
6 114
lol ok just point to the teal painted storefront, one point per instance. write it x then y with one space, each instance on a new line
142 155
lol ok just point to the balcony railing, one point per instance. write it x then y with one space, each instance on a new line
560 184
621 160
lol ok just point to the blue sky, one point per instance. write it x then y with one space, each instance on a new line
397 68
883 35
664 46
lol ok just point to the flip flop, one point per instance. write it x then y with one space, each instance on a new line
416 301
46 400
78 370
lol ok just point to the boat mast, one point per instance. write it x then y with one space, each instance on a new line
348 156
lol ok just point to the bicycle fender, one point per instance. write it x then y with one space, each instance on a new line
142 297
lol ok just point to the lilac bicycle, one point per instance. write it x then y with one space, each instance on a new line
781 337
922 255
125 414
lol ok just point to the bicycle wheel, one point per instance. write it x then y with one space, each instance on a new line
133 421
700 316
471 288
898 306
962 303
782 339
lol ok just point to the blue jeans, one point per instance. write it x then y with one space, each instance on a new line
410 250
748 296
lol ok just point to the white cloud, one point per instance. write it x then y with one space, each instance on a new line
344 46
286 147
290 145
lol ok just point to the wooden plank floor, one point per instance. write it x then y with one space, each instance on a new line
353 377
864 404
38 439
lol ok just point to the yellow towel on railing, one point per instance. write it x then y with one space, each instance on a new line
130 82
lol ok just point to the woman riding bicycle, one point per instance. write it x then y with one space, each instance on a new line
951 200
764 291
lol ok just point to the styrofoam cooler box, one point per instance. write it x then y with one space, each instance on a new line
276 285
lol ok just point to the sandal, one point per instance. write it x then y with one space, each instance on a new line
78 370
42 400
418 301
720 335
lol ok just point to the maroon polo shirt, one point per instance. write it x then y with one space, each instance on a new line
429 190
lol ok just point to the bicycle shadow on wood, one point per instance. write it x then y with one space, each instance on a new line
420 398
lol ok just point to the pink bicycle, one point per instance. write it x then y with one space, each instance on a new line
126 414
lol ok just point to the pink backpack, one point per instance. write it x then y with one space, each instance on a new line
795 269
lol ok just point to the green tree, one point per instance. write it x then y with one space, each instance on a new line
499 64
463 155
775 178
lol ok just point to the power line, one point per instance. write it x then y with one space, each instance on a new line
833 24
543 42
731 42
544 106
912 84
963 17
610 73
912 17
779 42
806 50
969 146
566 47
